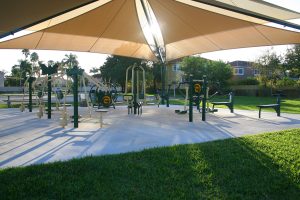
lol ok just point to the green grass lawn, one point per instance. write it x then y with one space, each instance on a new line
13 105
263 166
250 103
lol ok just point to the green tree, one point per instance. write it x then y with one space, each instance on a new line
34 58
95 71
26 53
270 68
195 66
25 67
217 72
21 71
292 61
15 71
70 60
114 69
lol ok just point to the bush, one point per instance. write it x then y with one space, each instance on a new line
286 82
247 81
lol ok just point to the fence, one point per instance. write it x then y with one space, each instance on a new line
256 90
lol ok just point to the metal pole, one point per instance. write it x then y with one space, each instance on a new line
163 84
30 94
167 96
191 99
138 84
75 96
204 98
134 88
49 96
144 84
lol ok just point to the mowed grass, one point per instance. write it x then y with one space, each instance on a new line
265 166
250 103
13 105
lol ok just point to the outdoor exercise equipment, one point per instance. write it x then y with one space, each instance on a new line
41 104
49 71
208 101
59 94
103 98
186 95
229 103
101 94
29 80
276 106
40 100
195 92
164 95
154 101
64 114
137 97
197 88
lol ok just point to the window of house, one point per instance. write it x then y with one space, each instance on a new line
239 71
176 67
255 72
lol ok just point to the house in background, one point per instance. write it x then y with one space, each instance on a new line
243 70
173 72
174 76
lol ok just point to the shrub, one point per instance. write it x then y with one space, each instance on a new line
286 82
247 81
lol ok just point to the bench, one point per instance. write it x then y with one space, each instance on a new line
154 101
275 106
229 103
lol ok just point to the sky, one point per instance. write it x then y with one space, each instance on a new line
8 58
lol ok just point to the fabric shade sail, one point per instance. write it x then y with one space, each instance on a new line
15 14
263 7
114 27
188 30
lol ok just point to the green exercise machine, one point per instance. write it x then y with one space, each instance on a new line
195 93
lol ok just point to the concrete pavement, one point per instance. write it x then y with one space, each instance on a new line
25 139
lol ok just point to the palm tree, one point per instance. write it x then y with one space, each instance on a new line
95 71
34 58
24 67
70 60
26 53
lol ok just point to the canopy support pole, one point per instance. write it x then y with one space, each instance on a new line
31 79
74 73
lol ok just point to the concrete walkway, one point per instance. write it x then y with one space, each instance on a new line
25 139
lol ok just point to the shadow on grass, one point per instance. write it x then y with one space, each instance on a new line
228 169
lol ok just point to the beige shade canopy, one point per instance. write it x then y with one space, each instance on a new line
263 7
187 27
15 14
